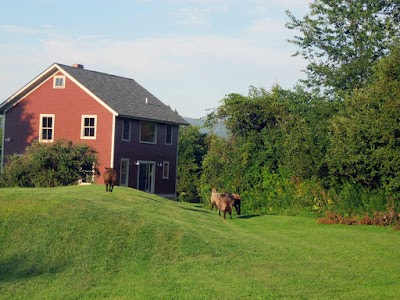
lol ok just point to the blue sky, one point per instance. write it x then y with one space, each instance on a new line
189 54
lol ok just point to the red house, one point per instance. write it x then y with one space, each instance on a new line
131 129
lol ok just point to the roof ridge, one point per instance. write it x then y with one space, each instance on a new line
123 95
94 71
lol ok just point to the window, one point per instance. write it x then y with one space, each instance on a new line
126 130
89 127
87 172
46 128
59 82
165 171
124 172
168 134
148 132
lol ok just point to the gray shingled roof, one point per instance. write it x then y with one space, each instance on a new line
125 96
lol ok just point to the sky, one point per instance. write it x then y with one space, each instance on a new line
189 54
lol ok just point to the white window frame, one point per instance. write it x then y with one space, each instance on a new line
41 128
89 177
83 127
123 130
155 133
166 135
126 183
165 170
55 81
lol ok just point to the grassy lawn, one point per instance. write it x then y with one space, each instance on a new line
83 243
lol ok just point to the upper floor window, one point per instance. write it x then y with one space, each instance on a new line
148 132
46 128
126 130
168 134
59 82
89 124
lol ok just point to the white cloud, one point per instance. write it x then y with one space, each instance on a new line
19 29
191 73
263 6
201 70
192 16
268 26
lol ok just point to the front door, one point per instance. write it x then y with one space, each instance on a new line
146 176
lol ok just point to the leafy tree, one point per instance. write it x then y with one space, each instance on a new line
192 148
279 128
306 134
1 136
365 135
342 39
49 165
256 121
244 115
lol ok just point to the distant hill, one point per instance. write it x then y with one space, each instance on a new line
219 129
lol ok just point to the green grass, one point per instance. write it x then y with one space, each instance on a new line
83 243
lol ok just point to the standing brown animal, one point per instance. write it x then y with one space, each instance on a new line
110 179
236 202
223 201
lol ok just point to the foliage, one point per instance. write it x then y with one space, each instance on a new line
303 152
1 137
291 152
305 138
191 149
49 165
365 134
342 39
274 136
1 133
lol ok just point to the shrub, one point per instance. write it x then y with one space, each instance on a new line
48 165
387 218
335 218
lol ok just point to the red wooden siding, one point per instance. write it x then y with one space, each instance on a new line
68 105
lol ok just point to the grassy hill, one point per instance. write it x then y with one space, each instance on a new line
80 242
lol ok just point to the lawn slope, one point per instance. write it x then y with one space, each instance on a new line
80 242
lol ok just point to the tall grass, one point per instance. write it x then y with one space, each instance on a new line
82 243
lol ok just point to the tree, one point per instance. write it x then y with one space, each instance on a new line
279 128
306 134
49 165
1 134
192 147
341 39
365 134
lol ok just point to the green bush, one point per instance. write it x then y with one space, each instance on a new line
192 148
48 165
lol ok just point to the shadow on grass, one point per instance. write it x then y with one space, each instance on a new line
19 268
248 216
195 210
149 198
